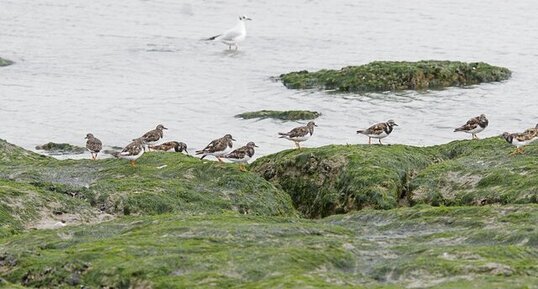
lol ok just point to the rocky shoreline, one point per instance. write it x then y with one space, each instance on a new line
461 214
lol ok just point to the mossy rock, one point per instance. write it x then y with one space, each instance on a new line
32 185
420 247
5 62
53 148
397 75
341 178
282 115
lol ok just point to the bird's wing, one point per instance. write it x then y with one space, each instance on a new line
238 153
94 144
470 124
230 34
298 132
132 149
376 128
152 135
215 146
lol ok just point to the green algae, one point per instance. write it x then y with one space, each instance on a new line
410 247
282 115
161 183
397 75
5 62
60 148
341 178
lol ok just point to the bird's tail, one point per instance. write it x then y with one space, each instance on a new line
361 131
199 152
116 154
458 129
213 37
282 134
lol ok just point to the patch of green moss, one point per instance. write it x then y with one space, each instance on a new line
5 62
161 183
397 75
338 179
60 148
282 115
411 247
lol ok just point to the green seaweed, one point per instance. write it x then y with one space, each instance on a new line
397 75
5 62
282 115
61 148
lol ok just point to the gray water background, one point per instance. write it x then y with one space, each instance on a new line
119 68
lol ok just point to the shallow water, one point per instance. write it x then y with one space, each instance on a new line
119 68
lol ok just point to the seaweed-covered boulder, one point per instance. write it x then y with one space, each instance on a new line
53 148
34 187
397 75
282 115
5 62
338 179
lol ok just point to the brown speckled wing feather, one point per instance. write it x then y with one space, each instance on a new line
216 146
238 153
132 149
94 145
470 125
376 128
153 135
165 146
298 132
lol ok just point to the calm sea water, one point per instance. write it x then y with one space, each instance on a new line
119 68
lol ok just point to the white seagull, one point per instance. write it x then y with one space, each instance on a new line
233 35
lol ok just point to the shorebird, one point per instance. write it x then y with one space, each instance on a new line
242 155
217 148
519 140
234 35
379 130
170 146
154 135
474 125
299 134
132 151
94 145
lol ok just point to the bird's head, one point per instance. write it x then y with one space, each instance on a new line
391 122
229 137
161 127
251 145
89 136
244 18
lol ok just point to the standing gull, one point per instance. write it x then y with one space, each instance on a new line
94 145
299 134
379 130
233 35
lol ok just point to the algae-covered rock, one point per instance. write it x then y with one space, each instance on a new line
282 115
338 179
161 183
397 75
421 247
5 62
53 148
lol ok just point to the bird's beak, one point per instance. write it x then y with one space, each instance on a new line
165 128
396 124
256 146
250 19
187 151
233 139
315 125
86 137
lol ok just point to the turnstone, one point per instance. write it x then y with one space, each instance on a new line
152 136
379 130
242 155
519 140
171 146
474 125
234 35
217 148
299 134
94 145
533 130
132 151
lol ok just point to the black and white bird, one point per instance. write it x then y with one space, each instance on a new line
154 135
299 134
474 125
132 151
519 140
379 130
218 147
170 146
234 35
241 155
94 145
